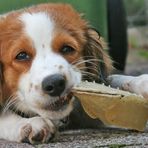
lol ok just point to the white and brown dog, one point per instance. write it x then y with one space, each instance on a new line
44 51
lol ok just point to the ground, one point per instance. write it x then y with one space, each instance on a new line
137 62
137 59
106 138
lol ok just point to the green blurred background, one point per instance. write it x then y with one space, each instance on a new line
106 16
94 10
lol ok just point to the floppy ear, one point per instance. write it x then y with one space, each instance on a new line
97 60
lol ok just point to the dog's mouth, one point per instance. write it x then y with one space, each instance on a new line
60 104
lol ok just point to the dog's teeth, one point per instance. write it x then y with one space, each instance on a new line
103 84
94 82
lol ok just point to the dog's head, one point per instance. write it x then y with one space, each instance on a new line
44 51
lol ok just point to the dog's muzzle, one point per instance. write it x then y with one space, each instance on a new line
55 86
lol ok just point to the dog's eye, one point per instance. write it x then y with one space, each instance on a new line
22 56
67 49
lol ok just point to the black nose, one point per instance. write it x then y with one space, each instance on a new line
54 85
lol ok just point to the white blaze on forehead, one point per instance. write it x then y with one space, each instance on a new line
39 27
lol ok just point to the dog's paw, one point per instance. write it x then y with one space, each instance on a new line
138 85
37 130
118 81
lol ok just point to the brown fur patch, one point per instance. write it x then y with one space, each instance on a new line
70 29
13 41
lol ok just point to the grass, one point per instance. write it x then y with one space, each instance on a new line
143 53
133 42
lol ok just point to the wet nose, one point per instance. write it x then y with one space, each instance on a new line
54 85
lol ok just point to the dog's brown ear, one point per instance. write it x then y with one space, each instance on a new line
98 63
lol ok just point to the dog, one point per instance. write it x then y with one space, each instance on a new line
45 50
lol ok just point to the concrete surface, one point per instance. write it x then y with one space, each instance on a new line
112 138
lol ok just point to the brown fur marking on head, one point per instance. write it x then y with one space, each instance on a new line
95 50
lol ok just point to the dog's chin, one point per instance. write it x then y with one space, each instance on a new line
57 109
60 104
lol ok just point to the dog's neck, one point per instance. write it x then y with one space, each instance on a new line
22 114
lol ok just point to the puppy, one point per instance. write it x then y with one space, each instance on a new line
45 50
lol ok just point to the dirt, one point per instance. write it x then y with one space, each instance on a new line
137 63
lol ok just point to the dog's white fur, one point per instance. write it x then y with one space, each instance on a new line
39 28
16 128
42 32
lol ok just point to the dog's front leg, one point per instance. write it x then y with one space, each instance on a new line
138 85
32 130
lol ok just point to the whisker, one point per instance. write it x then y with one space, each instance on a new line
15 107
89 68
18 109
77 61
9 103
12 95
88 73
91 58
89 77
92 64
91 61
83 58
7 107
84 61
